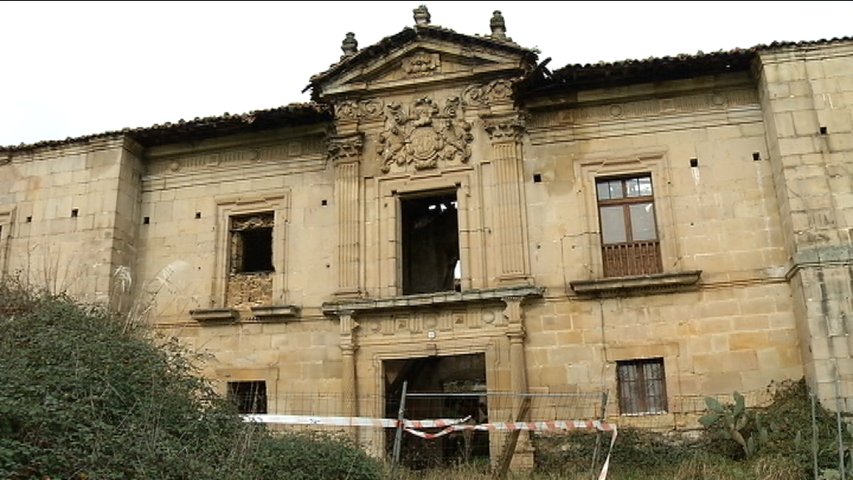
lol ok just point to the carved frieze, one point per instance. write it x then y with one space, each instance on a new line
422 64
498 91
344 149
352 110
424 134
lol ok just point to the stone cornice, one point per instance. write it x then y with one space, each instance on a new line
430 300
638 285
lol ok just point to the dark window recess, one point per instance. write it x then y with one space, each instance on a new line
694 162
629 237
146 220
756 156
74 212
537 178
251 243
250 397
197 214
642 386
430 243
823 130
29 219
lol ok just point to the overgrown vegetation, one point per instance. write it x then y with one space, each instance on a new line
772 443
86 395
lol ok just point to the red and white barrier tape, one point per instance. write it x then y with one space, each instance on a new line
448 425
352 421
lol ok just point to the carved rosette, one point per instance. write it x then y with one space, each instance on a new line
352 110
345 149
504 129
423 135
498 91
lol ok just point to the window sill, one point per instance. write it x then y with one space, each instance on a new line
283 313
206 315
430 300
637 285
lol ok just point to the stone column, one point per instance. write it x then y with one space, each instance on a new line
505 134
345 153
349 398
523 458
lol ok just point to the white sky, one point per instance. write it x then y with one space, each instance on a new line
71 69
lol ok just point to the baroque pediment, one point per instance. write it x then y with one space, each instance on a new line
427 56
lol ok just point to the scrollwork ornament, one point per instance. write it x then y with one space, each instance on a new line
424 135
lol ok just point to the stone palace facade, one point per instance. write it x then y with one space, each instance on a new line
450 210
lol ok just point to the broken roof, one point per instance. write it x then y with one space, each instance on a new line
608 74
570 77
290 115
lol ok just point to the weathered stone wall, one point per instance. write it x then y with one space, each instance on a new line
806 98
736 331
66 218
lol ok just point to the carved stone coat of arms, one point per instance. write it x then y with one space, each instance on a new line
424 135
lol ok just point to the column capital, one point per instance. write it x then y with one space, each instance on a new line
505 129
345 148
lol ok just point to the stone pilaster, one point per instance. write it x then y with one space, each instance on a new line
523 458
505 134
808 137
349 398
345 153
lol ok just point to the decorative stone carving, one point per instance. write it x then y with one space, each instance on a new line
504 129
483 95
498 26
424 135
351 110
349 45
343 149
422 64
422 16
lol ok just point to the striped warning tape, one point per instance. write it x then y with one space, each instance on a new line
510 426
353 421
448 425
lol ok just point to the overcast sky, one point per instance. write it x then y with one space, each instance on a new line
71 69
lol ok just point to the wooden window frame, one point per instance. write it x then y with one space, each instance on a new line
629 258
641 404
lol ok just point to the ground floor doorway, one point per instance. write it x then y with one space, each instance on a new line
452 386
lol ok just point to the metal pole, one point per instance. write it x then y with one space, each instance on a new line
598 434
399 438
840 439
814 435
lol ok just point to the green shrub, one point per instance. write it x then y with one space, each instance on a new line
84 395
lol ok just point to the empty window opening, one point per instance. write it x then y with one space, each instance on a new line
629 237
324 202
823 131
694 162
30 219
146 220
756 156
642 386
537 178
456 388
74 212
197 214
249 397
430 243
251 243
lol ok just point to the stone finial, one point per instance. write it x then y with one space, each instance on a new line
422 16
350 44
498 25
